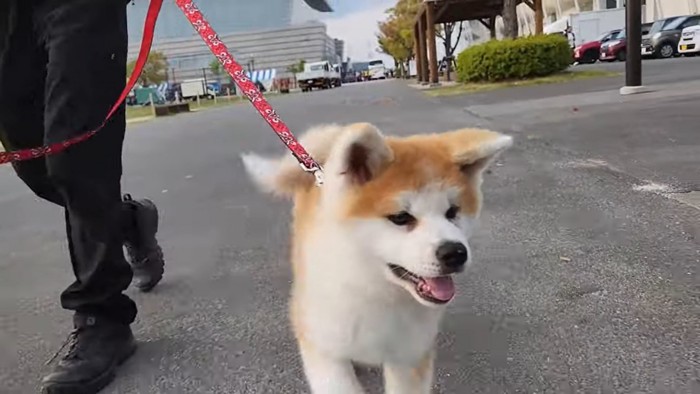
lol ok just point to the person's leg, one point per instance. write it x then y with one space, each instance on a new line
86 42
22 77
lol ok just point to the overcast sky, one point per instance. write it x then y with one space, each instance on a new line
355 22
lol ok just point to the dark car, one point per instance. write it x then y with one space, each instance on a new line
663 37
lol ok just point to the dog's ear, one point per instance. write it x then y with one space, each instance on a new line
358 155
473 150
283 176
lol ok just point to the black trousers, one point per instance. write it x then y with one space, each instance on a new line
62 66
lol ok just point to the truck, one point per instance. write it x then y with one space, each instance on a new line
321 75
592 25
376 69
198 87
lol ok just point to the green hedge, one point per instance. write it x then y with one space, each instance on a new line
525 57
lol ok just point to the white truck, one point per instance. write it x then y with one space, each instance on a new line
193 88
589 25
321 75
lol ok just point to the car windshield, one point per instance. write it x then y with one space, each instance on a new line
663 24
622 34
608 35
674 24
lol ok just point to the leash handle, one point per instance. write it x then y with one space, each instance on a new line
146 42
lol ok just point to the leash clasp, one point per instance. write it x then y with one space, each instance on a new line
316 171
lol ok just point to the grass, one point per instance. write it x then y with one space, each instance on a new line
143 112
474 87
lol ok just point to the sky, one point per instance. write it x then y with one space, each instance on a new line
355 22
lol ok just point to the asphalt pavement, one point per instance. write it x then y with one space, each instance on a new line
584 282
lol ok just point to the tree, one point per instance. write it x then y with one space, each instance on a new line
216 68
446 34
154 71
395 36
391 43
297 67
510 18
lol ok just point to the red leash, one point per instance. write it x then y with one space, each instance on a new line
234 69
149 27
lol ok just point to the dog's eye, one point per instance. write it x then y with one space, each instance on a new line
452 212
402 218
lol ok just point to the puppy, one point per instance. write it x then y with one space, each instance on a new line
375 248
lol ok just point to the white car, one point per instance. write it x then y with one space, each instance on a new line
689 43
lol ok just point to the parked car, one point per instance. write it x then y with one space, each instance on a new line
589 52
689 45
664 35
616 49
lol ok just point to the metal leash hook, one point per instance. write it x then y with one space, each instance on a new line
316 171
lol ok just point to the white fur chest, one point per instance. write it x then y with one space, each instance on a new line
371 331
350 311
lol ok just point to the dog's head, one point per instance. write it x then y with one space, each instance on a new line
410 203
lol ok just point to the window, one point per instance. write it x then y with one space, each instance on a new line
692 21
676 23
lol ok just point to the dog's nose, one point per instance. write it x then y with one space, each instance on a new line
452 254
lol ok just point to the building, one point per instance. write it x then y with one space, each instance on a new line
555 10
273 35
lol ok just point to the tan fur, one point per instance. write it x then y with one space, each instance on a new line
395 165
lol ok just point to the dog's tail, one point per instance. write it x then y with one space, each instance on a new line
283 176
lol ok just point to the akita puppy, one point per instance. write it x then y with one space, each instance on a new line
375 247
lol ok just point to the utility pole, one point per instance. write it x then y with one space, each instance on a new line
633 64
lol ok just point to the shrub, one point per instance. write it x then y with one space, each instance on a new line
525 57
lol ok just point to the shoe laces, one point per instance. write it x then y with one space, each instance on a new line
71 342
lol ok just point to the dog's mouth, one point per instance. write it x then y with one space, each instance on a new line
438 290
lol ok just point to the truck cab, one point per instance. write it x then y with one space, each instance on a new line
322 75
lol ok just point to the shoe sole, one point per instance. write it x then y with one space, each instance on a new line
94 386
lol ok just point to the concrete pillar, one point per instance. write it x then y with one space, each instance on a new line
432 49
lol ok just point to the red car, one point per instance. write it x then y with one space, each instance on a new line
614 49
589 52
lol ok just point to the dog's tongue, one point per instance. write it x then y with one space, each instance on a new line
441 288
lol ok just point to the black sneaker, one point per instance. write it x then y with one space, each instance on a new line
143 252
96 349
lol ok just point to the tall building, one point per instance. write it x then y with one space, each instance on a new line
226 16
262 34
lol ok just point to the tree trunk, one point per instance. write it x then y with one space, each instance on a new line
447 28
510 18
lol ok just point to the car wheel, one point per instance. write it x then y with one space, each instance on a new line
666 50
622 55
590 57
